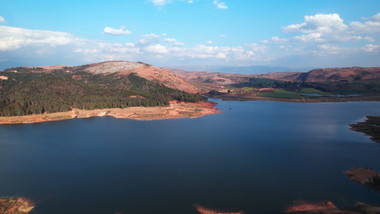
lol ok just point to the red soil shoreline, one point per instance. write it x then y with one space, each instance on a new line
174 111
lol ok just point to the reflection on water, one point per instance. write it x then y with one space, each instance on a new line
258 157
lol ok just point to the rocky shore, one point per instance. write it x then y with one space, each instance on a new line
371 127
15 206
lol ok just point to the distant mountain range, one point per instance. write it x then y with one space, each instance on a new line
256 69
348 74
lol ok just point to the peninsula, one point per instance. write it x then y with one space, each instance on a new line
119 89
174 111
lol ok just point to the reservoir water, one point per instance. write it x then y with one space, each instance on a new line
258 157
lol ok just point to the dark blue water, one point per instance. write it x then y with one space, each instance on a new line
257 156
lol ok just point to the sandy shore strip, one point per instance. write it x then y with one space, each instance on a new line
174 111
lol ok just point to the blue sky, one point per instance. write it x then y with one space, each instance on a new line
292 33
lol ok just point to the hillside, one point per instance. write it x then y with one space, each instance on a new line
328 84
349 74
36 90
149 72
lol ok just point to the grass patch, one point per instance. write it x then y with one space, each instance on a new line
313 91
261 82
246 89
280 93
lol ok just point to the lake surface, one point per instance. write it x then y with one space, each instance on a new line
257 156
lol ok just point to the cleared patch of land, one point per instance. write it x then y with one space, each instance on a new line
173 111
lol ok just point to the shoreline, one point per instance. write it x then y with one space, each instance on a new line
175 110
227 97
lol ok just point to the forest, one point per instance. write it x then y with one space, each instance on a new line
25 92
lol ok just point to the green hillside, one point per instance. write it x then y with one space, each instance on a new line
25 92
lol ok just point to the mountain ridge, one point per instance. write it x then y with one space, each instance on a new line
122 69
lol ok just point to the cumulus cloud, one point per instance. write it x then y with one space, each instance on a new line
149 39
158 49
116 32
371 48
277 39
370 39
129 44
12 38
159 2
2 20
370 26
322 28
220 5
323 23
26 43
327 37
319 38
174 42
257 48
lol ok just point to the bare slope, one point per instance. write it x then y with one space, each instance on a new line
149 72
214 80
121 68
349 74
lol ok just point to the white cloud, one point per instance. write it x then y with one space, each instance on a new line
371 48
116 32
320 38
158 49
328 49
370 26
323 23
322 28
12 38
159 2
277 39
370 39
258 48
222 36
174 42
129 44
149 39
220 5
2 20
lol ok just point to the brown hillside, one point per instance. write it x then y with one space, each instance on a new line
349 74
214 80
143 70
122 68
